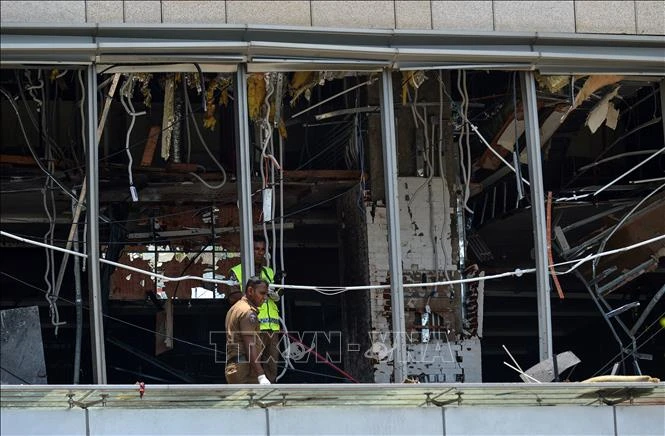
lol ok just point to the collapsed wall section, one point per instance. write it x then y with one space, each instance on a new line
437 351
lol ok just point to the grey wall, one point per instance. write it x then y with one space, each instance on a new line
552 420
582 16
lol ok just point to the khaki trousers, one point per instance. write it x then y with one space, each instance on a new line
240 373
270 354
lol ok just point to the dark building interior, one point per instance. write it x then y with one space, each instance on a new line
184 219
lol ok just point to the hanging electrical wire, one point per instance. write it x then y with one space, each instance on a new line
126 93
444 183
467 140
188 109
602 245
418 121
487 144
32 151
136 326
43 134
334 290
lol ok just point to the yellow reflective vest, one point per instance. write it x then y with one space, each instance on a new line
268 312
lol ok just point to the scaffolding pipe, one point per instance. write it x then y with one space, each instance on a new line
92 208
392 215
538 213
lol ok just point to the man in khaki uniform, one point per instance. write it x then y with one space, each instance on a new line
243 346
269 322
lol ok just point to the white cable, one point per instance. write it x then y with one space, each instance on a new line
28 144
188 109
85 241
484 141
579 197
47 253
49 239
62 74
467 136
31 88
368 82
601 247
444 183
572 198
579 262
460 138
55 320
517 272
333 290
83 95
129 108
417 117
119 265
265 129
629 171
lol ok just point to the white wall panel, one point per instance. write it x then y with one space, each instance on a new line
529 421
167 422
294 420
640 421
356 421
20 421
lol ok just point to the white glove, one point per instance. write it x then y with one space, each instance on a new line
273 295
263 380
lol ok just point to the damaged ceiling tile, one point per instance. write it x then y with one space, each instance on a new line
600 112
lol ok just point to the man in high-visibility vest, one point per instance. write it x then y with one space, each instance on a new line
268 312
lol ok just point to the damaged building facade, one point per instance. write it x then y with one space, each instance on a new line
504 159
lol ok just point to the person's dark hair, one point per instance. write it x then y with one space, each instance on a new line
254 281
260 238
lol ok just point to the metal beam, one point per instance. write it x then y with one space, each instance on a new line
534 160
662 104
647 310
244 173
92 208
392 214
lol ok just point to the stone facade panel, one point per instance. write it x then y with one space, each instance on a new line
356 14
291 13
210 11
462 15
534 16
605 17
43 11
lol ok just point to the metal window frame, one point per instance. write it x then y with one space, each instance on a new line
243 49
